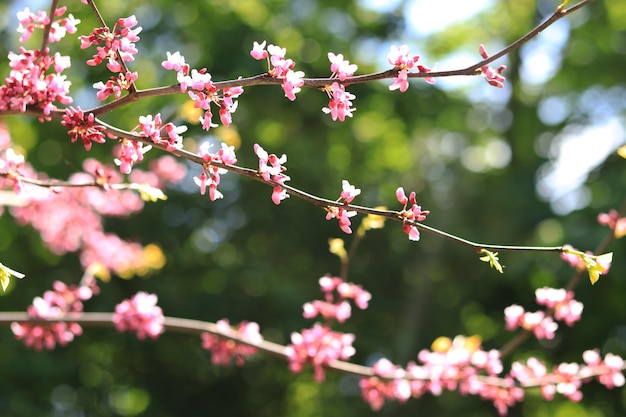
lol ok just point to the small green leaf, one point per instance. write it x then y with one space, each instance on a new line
148 193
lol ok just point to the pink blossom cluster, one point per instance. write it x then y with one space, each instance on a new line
210 175
613 220
30 21
348 193
561 302
541 324
139 314
460 364
337 309
567 378
493 76
200 88
401 60
83 126
13 169
151 128
279 67
388 383
320 345
340 104
271 169
70 219
463 365
122 81
608 371
223 350
118 46
30 84
127 153
55 304
413 214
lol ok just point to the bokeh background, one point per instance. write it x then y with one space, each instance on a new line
530 164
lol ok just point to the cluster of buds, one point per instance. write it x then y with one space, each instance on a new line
55 304
280 67
402 61
223 350
348 193
141 315
210 175
320 345
562 304
271 169
410 215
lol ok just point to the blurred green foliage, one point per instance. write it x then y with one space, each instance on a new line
244 258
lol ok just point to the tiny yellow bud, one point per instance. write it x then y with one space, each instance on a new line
99 271
336 247
373 221
441 344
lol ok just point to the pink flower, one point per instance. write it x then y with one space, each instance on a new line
128 152
211 174
115 85
491 75
140 314
337 308
83 126
292 83
58 28
348 193
318 346
512 316
258 51
30 84
375 390
54 304
223 350
614 222
342 215
13 165
609 370
271 170
119 42
401 82
414 214
176 62
341 68
399 57
340 104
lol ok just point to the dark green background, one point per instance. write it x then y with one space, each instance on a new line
268 261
